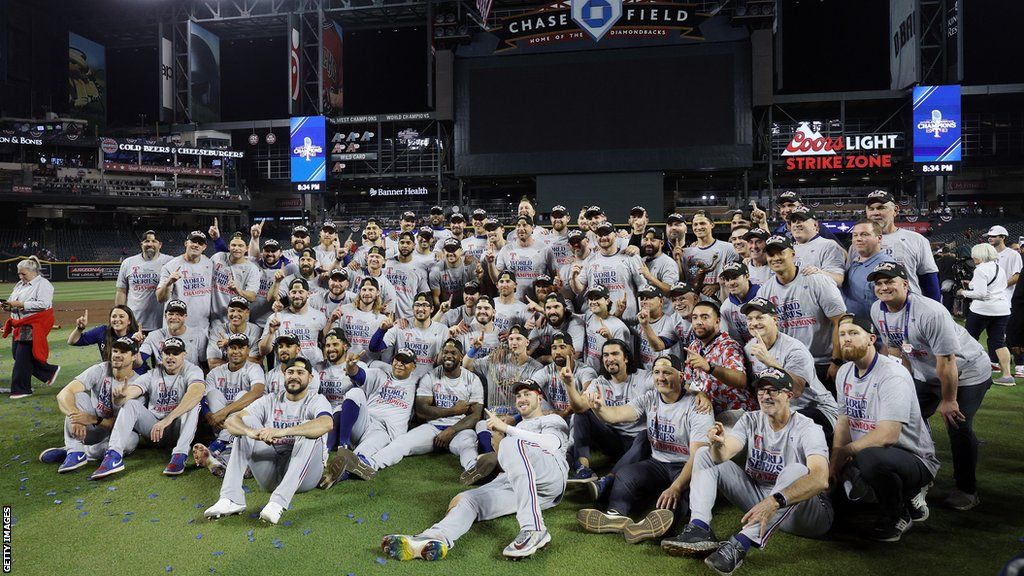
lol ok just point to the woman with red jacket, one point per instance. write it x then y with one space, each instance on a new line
31 308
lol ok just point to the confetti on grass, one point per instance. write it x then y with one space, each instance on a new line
306 532
152 496
381 561
385 517
218 553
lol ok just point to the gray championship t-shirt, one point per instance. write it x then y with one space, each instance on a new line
277 411
195 344
140 278
822 253
671 428
245 273
621 394
220 328
595 341
306 327
556 397
334 381
425 342
885 392
693 255
769 451
910 249
930 331
796 359
620 274
805 306
527 262
164 391
448 392
99 386
234 385
195 288
408 280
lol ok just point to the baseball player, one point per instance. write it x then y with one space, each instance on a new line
274 268
809 306
189 278
532 457
526 256
169 413
464 315
757 263
137 280
372 238
288 347
557 239
407 278
306 271
424 255
329 248
557 318
299 320
552 380
299 242
708 254
175 325
375 269
650 322
485 337
677 332
658 268
423 336
474 246
616 270
334 378
619 382
237 323
579 243
676 428
360 319
508 309
882 446
770 348
501 369
448 277
815 253
233 275
450 401
337 293
907 247
230 387
601 325
376 410
736 281
951 369
781 487
89 409
280 438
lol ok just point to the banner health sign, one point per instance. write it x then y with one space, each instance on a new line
309 159
937 141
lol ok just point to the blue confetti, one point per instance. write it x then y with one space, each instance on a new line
254 515
51 493
58 501
198 506
28 493
199 536
79 501
190 521
351 515
306 532
79 506
183 498
126 520
169 569
129 513
212 570
154 519
23 480
286 523
384 517
218 553
246 489
152 496
83 513
359 520
381 561
113 489
249 533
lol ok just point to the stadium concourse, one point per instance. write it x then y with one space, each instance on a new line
452 346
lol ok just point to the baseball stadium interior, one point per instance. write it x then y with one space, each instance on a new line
601 158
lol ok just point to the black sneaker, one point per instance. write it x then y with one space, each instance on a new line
692 540
727 558
891 529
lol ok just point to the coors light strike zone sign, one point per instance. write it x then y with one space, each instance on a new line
810 149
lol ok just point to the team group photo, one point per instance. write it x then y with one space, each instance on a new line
458 288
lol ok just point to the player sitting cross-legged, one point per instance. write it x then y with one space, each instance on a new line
532 455
280 437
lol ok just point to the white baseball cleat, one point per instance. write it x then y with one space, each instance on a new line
527 543
271 513
223 507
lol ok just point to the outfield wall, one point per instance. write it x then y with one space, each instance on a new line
62 271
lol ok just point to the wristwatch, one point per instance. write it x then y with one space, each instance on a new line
780 499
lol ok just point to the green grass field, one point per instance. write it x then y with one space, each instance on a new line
140 522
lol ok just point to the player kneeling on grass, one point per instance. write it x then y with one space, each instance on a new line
532 455
676 428
88 403
375 412
450 400
170 411
230 387
882 449
782 486
280 437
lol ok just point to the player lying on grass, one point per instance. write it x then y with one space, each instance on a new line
280 437
532 457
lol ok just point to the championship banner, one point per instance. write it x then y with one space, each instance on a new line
294 65
87 80
332 69
309 157
590 21
936 125
204 58
903 43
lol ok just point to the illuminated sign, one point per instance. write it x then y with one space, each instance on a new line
309 150
936 125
